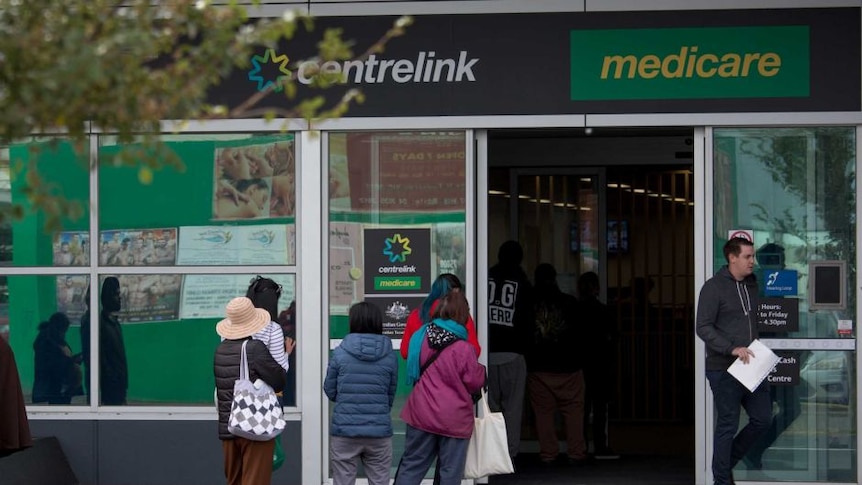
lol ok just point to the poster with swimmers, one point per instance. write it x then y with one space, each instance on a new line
254 181
149 298
71 248
138 247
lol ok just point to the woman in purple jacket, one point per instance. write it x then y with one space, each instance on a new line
439 410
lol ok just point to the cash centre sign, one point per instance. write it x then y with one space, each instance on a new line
690 63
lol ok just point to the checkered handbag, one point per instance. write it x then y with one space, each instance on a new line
254 413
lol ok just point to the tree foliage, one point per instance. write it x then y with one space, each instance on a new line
125 66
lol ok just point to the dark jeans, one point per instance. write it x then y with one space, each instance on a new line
729 397
420 449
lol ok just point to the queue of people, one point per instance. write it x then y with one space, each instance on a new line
556 349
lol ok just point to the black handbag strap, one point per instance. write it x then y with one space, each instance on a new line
433 358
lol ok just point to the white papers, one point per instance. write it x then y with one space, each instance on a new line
759 366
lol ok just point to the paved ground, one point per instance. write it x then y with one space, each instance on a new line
628 470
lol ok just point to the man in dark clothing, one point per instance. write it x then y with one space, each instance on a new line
113 368
600 359
554 362
726 325
509 330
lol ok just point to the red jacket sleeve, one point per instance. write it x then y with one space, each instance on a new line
472 337
413 324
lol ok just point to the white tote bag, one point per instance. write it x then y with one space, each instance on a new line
488 451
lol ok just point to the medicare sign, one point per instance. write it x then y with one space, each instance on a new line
690 63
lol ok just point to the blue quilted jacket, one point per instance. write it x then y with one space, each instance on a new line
361 380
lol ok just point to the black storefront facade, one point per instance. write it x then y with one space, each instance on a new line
411 163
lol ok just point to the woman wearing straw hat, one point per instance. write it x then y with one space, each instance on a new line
246 462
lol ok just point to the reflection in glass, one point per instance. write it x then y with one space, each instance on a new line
35 236
397 221
796 189
232 203
150 325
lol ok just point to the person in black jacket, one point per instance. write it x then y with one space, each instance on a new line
245 461
555 378
509 322
57 372
113 366
726 324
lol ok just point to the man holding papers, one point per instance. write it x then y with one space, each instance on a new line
726 324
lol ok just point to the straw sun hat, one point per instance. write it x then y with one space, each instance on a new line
243 319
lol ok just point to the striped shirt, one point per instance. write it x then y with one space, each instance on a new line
272 336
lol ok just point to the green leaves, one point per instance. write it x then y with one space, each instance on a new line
124 67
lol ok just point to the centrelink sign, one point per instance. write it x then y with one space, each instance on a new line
426 67
704 61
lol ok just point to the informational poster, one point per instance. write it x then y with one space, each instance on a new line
269 244
72 296
149 298
205 296
783 282
777 315
138 247
71 248
395 310
254 181
786 371
346 284
397 260
424 172
450 249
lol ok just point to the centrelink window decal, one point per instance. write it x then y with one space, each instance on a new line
397 248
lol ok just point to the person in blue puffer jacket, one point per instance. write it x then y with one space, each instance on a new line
361 380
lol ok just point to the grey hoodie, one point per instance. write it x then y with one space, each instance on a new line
725 317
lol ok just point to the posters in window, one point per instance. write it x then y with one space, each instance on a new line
254 181
205 296
346 285
395 311
71 248
269 244
450 249
138 247
397 260
398 173
149 298
71 296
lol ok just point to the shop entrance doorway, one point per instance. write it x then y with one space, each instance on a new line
620 203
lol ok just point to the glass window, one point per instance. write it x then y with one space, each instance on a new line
795 190
396 221
43 325
232 202
150 326
34 237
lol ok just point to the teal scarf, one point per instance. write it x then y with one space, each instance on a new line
415 345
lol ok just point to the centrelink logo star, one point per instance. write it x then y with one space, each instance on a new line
269 57
397 248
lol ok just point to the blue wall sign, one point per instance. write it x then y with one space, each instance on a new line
780 282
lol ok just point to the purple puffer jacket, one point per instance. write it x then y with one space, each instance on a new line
440 402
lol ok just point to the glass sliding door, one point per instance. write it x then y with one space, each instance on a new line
794 191
397 220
